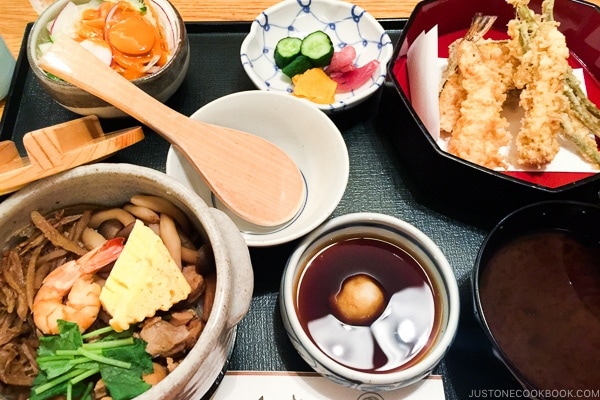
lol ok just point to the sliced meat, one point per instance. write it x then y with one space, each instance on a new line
169 338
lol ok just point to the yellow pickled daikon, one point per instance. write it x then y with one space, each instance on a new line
315 85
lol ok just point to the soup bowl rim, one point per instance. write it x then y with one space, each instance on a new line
497 238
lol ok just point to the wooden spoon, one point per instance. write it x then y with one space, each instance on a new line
254 178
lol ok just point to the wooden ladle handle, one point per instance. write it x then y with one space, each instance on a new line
254 178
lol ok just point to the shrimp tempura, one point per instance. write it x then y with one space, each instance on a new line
481 130
451 91
472 96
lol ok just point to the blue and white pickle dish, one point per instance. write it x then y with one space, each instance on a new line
389 343
345 23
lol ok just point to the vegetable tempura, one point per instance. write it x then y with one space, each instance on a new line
533 62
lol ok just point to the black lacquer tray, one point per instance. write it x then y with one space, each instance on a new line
379 182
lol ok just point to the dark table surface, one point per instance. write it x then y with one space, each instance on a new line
379 181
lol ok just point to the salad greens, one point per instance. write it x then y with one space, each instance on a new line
71 363
143 8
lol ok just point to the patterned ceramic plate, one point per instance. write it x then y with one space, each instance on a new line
345 23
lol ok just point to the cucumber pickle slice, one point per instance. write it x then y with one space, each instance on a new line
295 56
286 50
300 65
318 47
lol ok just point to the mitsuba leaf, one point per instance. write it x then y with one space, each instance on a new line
123 384
135 354
127 383
41 378
114 335
69 338
56 368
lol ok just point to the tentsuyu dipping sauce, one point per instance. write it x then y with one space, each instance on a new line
540 296
398 334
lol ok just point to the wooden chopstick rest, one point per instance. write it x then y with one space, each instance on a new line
58 148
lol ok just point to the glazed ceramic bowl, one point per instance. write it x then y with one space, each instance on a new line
114 184
443 175
310 138
535 286
419 319
345 23
160 85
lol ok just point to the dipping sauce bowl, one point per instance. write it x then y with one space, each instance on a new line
370 302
